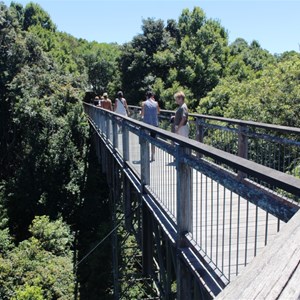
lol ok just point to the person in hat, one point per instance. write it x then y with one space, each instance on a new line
106 102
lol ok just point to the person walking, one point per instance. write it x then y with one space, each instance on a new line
106 102
121 105
181 125
150 110
96 101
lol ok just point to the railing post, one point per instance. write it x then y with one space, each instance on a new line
242 146
184 194
115 133
126 183
145 161
147 233
107 126
125 141
200 129
243 141
184 218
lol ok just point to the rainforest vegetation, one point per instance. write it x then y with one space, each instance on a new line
53 203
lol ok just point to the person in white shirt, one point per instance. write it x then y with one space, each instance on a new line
120 106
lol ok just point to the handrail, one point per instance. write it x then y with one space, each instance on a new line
274 146
269 175
286 129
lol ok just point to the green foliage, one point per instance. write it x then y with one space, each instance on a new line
31 271
101 61
246 61
272 97
43 147
54 237
5 241
35 15
29 293
190 54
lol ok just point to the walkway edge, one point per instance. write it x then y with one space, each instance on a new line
272 274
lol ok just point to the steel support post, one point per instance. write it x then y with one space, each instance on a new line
107 127
115 133
103 158
125 141
127 203
147 241
115 246
147 232
184 220
145 163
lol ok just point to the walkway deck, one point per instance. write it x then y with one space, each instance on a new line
226 227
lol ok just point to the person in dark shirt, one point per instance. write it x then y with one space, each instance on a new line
149 112
96 101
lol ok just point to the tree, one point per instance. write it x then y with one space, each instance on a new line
141 61
245 63
202 55
40 267
101 61
191 52
35 15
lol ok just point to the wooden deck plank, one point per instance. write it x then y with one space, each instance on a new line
275 273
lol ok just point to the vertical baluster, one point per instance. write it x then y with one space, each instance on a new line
217 226
256 228
201 210
197 208
266 228
206 209
246 236
238 236
211 217
230 237
223 231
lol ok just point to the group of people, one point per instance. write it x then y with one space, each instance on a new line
150 111
120 105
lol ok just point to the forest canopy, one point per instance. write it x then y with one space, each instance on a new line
44 135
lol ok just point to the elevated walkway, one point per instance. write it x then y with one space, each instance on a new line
205 214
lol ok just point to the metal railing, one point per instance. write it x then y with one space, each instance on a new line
224 217
277 147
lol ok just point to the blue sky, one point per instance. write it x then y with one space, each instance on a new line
274 24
